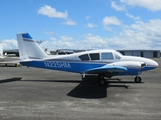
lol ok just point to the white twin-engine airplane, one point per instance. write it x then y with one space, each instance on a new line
104 63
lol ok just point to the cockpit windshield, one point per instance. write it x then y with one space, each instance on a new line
118 55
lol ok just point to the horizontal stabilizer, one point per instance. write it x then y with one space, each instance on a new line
105 69
25 60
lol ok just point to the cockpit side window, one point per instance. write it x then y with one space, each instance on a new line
107 56
94 56
84 57
118 55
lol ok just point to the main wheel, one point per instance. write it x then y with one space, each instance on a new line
137 79
102 82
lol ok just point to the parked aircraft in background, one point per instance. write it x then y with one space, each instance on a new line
105 63
1 51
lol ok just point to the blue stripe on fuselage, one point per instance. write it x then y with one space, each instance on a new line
77 67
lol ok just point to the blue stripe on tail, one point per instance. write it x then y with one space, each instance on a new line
26 36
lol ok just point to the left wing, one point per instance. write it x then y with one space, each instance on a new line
106 68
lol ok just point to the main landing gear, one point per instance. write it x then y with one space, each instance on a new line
101 80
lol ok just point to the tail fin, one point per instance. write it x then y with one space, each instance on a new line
28 48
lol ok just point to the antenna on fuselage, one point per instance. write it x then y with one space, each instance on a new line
83 48
64 51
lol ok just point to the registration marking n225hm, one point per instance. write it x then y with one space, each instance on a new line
52 64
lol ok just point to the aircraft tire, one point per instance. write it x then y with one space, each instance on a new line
137 79
102 82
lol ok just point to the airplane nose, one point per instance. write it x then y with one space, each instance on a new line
150 64
153 63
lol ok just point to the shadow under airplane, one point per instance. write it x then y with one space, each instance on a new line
88 87
10 80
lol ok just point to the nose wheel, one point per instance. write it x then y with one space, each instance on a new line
137 79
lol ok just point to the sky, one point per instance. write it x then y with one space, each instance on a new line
83 24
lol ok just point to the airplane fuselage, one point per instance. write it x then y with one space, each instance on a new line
74 62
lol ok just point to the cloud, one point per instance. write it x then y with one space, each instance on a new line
52 38
66 38
110 21
87 17
49 33
133 17
89 41
117 7
51 12
69 22
58 44
151 28
93 42
90 25
140 35
152 5
9 44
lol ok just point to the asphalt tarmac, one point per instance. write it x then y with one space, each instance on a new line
39 94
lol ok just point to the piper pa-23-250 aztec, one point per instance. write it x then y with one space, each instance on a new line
104 63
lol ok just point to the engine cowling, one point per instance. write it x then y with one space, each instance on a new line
130 64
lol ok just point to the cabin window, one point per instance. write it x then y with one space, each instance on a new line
94 56
107 56
84 57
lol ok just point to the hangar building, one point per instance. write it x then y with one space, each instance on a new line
142 53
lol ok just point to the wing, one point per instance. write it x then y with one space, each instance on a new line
107 69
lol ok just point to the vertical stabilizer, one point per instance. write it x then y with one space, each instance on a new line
28 48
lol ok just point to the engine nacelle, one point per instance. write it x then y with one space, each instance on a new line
130 64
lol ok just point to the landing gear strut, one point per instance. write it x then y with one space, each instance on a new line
101 80
137 79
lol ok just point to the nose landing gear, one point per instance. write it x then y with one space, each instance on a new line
137 79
